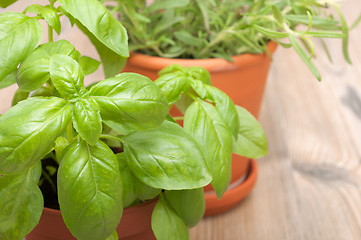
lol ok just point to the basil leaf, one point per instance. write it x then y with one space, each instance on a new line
251 141
189 204
199 73
9 80
49 14
13 49
21 146
90 190
19 95
88 65
201 118
130 99
6 3
67 76
114 236
34 71
21 203
166 224
133 188
100 22
166 158
224 104
173 85
113 63
86 120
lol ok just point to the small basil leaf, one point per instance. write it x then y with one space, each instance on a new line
199 73
224 104
90 190
21 203
189 204
22 145
200 120
86 120
6 3
10 79
67 76
114 236
173 85
251 141
88 65
60 144
100 22
13 49
130 99
133 188
166 224
166 158
49 14
34 71
19 95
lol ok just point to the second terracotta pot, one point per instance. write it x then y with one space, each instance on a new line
243 80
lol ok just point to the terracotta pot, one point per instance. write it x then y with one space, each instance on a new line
135 224
243 80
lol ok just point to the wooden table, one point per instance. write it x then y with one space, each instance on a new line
309 185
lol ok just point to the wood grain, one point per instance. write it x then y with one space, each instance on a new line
309 185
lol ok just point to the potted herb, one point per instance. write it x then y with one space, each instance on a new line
109 146
233 40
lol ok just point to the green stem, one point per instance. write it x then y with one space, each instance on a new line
48 178
178 118
50 34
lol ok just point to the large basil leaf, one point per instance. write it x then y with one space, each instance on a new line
166 158
166 224
251 141
224 104
34 71
22 145
100 22
19 35
203 122
130 99
21 203
133 188
189 204
90 190
49 14
173 85
87 120
6 3
67 76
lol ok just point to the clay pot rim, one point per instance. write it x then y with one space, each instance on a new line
125 210
213 64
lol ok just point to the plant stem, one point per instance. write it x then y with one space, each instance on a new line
50 34
48 178
178 118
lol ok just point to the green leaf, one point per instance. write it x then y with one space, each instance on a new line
113 63
270 33
203 122
6 3
9 79
251 141
90 190
86 120
166 158
199 73
49 14
114 236
21 203
19 95
166 4
166 224
15 28
88 65
34 71
190 205
28 131
131 100
100 22
188 39
173 85
278 15
67 76
60 144
133 188
303 55
224 104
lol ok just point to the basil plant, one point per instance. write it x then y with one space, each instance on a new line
111 145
